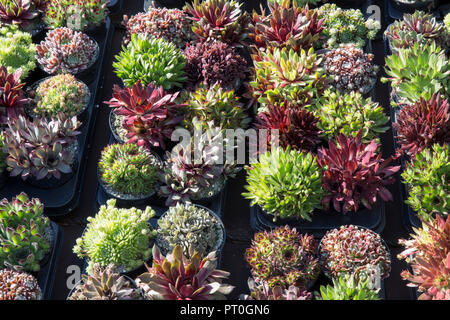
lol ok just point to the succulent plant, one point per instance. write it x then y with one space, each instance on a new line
3 154
427 177
150 60
287 75
39 5
105 283
75 14
217 105
24 233
60 94
189 226
12 97
447 22
346 26
197 169
19 12
297 127
214 62
221 20
283 257
351 250
66 51
176 277
420 27
145 114
17 50
172 25
418 72
422 124
348 288
17 285
116 236
298 3
129 169
354 173
348 114
428 254
291 27
285 184
41 148
348 69
265 292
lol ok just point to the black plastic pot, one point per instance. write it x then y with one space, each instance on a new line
3 179
395 10
60 201
179 4
129 200
220 245
114 6
322 221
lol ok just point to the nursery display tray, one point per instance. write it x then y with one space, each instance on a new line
395 12
322 221
63 199
46 275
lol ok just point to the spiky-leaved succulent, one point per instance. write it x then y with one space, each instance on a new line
41 148
297 127
348 69
352 250
354 173
24 233
129 169
346 26
422 124
3 154
17 50
428 180
287 75
18 12
291 27
265 292
348 114
12 96
214 62
17 285
105 283
215 104
197 168
348 288
176 277
285 183
189 226
66 51
118 236
60 94
283 257
428 254
75 14
418 72
150 60
420 27
145 114
221 20
172 25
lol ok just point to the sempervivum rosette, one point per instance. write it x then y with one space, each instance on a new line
66 50
16 285
348 69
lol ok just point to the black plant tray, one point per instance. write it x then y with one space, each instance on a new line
395 12
322 221
62 200
46 275
114 6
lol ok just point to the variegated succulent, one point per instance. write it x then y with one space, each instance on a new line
18 12
12 97
265 292
176 277
17 285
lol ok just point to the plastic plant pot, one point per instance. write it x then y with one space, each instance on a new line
3 179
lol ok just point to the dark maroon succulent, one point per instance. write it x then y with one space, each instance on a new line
422 124
214 62
355 174
297 127
12 97
19 12
149 114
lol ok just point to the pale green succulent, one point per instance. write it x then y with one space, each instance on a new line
188 225
17 50
118 236
447 22
348 288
